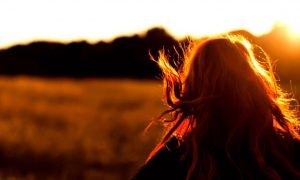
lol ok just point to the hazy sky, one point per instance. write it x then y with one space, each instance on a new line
25 20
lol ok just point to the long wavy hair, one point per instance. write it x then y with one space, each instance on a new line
224 99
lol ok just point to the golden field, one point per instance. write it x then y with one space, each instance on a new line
76 129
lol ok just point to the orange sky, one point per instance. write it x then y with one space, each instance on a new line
23 21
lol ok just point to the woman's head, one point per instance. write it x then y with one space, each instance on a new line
218 67
224 96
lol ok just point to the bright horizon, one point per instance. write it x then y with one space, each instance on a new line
92 20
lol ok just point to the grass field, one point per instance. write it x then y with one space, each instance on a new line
76 129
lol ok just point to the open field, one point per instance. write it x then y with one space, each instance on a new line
75 129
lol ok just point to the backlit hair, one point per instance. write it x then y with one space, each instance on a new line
224 96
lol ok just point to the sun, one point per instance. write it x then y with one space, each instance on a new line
293 29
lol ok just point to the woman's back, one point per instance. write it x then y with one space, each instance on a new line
232 118
170 162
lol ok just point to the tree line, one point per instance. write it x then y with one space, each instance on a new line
129 57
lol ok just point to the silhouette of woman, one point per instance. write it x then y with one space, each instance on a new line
229 119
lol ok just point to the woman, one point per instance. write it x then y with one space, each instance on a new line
228 117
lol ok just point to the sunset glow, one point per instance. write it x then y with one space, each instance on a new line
294 30
94 20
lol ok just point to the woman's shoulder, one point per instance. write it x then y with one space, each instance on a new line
165 163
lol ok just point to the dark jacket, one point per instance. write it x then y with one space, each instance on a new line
167 164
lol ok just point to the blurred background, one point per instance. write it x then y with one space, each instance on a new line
78 88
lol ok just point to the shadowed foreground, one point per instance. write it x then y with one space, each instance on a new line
75 129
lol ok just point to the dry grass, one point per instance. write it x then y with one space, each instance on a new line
62 128
76 129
